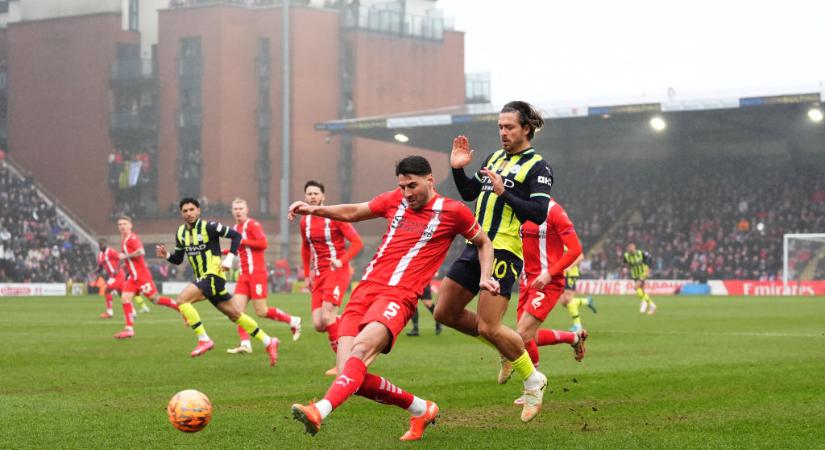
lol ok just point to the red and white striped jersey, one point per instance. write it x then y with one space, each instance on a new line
253 244
416 242
108 260
323 240
543 244
136 266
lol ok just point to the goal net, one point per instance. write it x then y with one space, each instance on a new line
803 257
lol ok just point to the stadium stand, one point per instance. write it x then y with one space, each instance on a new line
724 218
35 244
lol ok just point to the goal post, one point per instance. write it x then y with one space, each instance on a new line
793 244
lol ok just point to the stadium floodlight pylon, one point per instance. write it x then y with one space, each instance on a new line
787 239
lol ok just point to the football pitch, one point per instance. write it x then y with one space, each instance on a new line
703 372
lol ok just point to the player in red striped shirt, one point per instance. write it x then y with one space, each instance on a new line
422 224
139 277
252 284
326 263
542 284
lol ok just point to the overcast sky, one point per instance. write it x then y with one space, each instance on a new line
632 50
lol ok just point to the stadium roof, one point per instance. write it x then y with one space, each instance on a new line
766 116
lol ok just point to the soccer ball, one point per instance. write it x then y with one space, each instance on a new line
189 411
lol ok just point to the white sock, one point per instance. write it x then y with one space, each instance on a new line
418 407
643 308
246 344
294 321
324 407
109 311
534 381
204 337
267 340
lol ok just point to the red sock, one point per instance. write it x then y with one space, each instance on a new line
347 383
128 311
533 351
379 389
553 337
243 334
279 315
108 300
168 302
332 334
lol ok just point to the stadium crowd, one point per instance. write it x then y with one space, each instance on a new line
34 245
723 218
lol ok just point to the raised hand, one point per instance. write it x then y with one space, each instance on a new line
461 154
298 208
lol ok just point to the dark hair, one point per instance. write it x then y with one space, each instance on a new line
413 165
102 242
317 184
191 200
528 116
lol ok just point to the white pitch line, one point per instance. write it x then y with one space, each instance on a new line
716 333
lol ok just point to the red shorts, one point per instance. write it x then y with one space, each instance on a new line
330 287
391 306
115 283
144 285
538 303
253 286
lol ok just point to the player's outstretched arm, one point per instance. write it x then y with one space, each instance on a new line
485 259
350 212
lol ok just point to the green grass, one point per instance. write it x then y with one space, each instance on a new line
703 373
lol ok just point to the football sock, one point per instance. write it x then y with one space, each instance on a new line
243 334
533 351
332 335
414 319
379 389
523 366
640 293
251 327
553 337
279 315
347 383
431 308
139 300
168 302
193 319
128 312
573 309
108 301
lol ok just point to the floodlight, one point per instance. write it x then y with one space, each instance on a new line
658 124
402 138
815 114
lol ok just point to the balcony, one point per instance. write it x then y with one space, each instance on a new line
133 125
390 21
133 72
190 118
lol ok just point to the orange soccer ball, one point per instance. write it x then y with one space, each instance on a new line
189 411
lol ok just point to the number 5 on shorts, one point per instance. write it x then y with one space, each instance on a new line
146 288
391 311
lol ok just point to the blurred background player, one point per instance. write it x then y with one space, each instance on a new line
569 299
139 278
421 227
637 264
427 300
199 242
326 263
108 264
512 187
252 283
549 249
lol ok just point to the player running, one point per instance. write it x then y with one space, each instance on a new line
427 300
108 264
512 187
326 263
252 283
139 278
542 284
637 263
199 242
422 224
569 299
